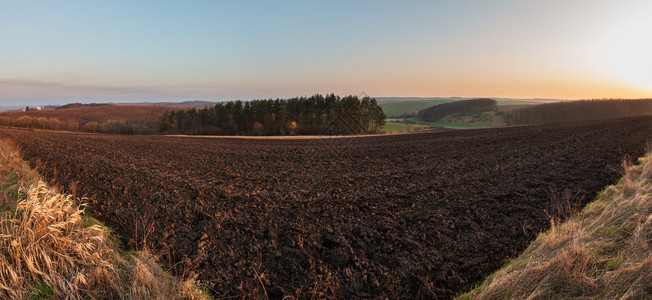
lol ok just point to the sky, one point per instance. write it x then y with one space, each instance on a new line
56 52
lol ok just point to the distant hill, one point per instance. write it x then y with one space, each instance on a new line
185 104
437 112
581 110
9 108
407 107
149 115
401 107
77 105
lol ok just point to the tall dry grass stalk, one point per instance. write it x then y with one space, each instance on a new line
603 252
48 245
44 241
14 173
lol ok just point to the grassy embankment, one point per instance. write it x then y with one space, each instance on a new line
447 125
413 124
392 126
603 252
51 249
396 127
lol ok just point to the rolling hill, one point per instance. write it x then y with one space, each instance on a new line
132 114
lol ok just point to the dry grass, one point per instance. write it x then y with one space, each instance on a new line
49 248
603 252
14 173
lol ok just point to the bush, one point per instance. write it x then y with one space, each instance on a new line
41 123
24 121
72 126
144 130
91 127
5 121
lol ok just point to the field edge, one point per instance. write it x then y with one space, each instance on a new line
601 252
56 249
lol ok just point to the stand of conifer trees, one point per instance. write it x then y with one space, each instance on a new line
313 115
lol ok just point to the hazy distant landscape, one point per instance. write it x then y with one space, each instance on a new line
316 115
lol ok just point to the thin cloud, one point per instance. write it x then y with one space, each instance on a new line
157 89
85 87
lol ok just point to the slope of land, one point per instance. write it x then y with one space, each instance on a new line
603 252
401 216
485 119
396 109
403 113
175 105
408 107
51 248
581 110
141 115
471 106
520 113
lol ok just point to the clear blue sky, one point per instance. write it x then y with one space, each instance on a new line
121 51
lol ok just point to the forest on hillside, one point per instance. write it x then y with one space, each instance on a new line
317 114
582 110
435 113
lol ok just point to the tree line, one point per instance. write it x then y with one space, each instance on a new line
582 110
108 126
330 114
39 123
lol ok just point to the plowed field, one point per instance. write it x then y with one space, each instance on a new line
402 216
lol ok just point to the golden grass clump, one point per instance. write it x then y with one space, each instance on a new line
43 241
14 173
50 249
603 252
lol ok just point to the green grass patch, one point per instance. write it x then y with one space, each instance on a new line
611 232
114 240
446 125
478 287
396 126
20 196
396 109
614 264
41 291
200 292
608 250
88 221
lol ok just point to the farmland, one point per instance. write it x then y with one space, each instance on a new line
445 125
401 107
398 108
147 115
402 216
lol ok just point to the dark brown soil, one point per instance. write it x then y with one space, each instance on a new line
401 216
